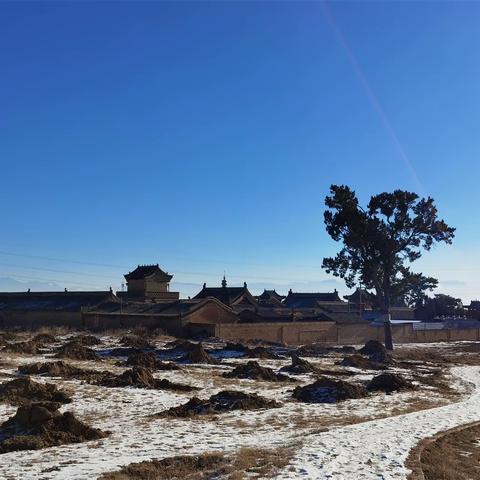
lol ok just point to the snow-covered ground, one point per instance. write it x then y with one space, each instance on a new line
378 449
373 449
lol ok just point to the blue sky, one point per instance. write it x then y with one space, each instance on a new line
205 135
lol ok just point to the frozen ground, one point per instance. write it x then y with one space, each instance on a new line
372 449
378 449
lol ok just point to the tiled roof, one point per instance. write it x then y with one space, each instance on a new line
269 294
53 301
146 271
179 307
309 300
226 295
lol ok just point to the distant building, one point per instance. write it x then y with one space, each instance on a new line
270 297
312 300
238 298
181 317
149 283
360 299
32 309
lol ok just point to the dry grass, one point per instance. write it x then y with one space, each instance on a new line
457 354
245 463
450 455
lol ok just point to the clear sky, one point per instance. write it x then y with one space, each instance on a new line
204 136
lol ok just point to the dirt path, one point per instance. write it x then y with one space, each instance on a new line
378 449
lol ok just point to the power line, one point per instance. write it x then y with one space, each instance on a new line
52 280
125 267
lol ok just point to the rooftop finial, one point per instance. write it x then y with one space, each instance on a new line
224 281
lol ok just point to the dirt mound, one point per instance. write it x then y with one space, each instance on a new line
29 347
86 340
150 360
136 342
298 366
76 351
236 347
40 425
371 347
181 344
64 370
376 352
224 401
382 358
44 338
312 350
124 351
359 361
262 352
24 390
140 377
50 369
197 354
7 337
254 371
389 382
325 390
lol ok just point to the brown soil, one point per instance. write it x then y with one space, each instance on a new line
376 352
224 401
237 347
197 354
298 366
44 338
136 342
24 390
28 347
7 337
140 377
312 350
388 383
61 369
372 346
86 340
262 352
320 350
180 344
450 455
254 371
76 351
40 425
359 361
325 390
247 463
150 360
124 351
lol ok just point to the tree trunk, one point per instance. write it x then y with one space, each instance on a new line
388 332
387 325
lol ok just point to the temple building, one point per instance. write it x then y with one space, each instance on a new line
239 298
36 309
149 283
312 300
